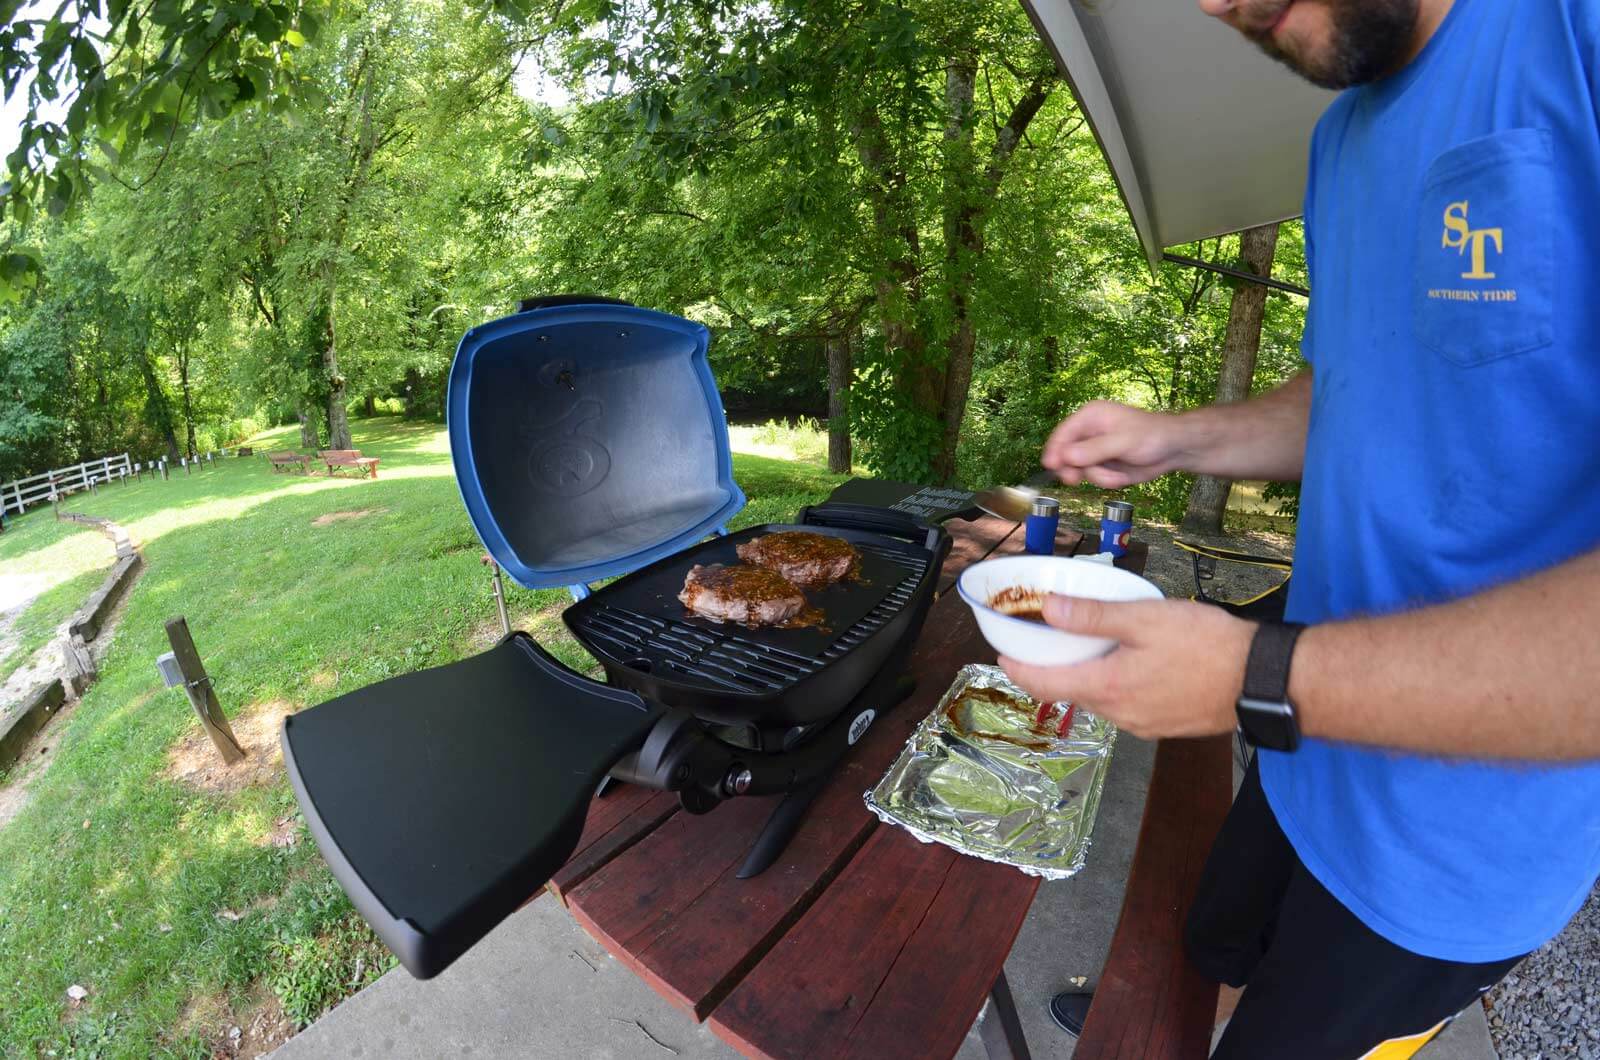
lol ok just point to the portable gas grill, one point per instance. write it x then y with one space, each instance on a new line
589 441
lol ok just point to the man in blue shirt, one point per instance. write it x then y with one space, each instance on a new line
1379 874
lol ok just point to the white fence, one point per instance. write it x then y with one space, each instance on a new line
49 485
52 485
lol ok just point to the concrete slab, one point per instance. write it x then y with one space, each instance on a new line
538 988
1465 1039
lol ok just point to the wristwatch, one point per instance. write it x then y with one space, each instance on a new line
1266 717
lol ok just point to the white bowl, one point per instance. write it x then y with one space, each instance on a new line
1035 642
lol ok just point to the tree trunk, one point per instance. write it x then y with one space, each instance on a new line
308 428
840 370
338 419
188 404
157 406
1209 496
413 393
369 406
970 190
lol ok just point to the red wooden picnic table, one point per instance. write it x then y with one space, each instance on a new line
862 941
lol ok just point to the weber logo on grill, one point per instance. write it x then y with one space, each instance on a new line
862 723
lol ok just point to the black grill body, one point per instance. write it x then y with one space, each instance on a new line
441 799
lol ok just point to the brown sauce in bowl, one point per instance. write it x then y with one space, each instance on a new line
1018 602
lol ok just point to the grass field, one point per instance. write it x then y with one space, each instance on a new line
184 909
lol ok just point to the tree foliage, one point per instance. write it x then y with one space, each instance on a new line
299 207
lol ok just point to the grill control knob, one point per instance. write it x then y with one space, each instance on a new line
739 781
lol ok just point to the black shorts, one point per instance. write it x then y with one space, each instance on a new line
1319 984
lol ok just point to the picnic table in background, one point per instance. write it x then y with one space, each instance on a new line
861 940
289 458
334 458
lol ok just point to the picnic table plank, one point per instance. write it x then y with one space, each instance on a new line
616 821
1150 1002
980 538
955 954
814 986
933 926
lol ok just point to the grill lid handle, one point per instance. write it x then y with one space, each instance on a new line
877 520
551 301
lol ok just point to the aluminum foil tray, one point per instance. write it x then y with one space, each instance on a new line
986 776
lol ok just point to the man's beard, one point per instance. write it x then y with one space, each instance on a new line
1370 38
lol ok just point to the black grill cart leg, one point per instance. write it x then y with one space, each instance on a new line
999 1027
780 828
789 814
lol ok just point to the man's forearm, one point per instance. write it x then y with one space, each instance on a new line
1263 438
1513 672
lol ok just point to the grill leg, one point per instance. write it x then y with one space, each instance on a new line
999 1028
780 828
790 813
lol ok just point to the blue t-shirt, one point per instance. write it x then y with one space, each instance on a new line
1453 226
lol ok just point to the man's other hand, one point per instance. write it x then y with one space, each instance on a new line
1178 670
1113 446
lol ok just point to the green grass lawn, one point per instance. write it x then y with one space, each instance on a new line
171 904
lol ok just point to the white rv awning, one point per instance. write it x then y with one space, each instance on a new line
1204 134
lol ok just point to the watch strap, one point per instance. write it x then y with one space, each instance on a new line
1266 670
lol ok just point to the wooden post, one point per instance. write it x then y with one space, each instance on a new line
197 685
79 664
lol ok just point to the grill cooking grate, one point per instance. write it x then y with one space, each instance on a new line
722 659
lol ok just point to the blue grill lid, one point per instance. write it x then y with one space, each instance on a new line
588 440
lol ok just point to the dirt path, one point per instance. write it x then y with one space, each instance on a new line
17 593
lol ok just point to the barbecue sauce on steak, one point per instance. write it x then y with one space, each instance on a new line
751 596
811 561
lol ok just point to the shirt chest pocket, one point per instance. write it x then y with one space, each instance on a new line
1484 248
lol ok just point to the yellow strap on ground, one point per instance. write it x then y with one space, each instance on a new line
1403 1048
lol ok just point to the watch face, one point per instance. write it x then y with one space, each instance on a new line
1269 724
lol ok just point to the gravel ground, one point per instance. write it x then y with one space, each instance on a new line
1549 1006
1172 569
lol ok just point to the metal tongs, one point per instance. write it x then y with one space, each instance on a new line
1012 503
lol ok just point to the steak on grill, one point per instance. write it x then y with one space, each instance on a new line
811 561
752 596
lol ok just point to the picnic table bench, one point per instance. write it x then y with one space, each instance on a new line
862 941
336 458
288 458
